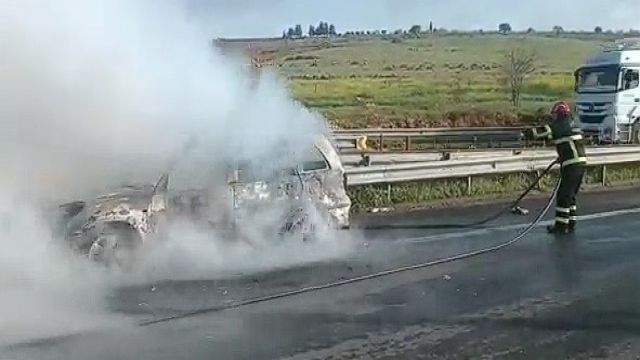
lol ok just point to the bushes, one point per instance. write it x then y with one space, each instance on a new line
312 77
300 57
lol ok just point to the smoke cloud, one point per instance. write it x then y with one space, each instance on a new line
95 94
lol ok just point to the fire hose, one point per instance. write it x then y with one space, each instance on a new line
384 273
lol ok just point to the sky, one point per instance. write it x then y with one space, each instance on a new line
247 18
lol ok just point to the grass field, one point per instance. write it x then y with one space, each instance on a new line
431 81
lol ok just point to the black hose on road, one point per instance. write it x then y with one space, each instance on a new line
375 275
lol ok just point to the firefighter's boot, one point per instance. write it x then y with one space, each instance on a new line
572 218
559 229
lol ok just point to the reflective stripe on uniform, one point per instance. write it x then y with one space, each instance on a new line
573 218
562 220
574 150
573 207
548 132
563 210
577 160
567 139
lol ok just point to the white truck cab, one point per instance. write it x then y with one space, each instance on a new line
608 95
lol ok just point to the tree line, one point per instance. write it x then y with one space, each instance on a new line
505 28
326 29
323 29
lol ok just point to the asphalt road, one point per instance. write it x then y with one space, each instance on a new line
542 298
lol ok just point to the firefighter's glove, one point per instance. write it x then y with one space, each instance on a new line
528 134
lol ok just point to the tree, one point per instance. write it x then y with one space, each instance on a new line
415 30
312 30
504 28
431 27
530 30
558 30
332 29
322 28
383 32
291 33
298 31
598 30
518 65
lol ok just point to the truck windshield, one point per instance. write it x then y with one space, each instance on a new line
597 79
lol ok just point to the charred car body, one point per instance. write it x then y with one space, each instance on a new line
300 201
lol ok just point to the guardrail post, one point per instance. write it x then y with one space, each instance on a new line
603 175
389 193
380 147
469 185
407 143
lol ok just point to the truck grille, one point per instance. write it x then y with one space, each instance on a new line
591 119
591 107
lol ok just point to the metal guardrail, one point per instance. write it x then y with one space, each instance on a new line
428 131
391 158
527 161
430 138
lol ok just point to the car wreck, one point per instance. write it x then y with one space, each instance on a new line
301 201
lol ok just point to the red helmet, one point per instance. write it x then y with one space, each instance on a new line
561 109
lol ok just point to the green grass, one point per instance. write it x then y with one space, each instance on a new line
483 187
419 82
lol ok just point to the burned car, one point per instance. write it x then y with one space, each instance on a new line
300 200
312 194
316 184
111 227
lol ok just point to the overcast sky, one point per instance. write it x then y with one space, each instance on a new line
240 18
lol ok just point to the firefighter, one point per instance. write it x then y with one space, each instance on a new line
571 156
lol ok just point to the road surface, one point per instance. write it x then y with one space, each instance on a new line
542 298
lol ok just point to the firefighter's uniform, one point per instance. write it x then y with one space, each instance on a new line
571 155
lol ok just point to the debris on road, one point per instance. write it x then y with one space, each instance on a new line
520 211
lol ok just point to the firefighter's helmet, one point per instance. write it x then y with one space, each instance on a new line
561 110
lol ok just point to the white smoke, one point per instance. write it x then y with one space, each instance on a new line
192 253
95 94
45 291
100 88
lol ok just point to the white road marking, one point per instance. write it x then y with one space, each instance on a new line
484 231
